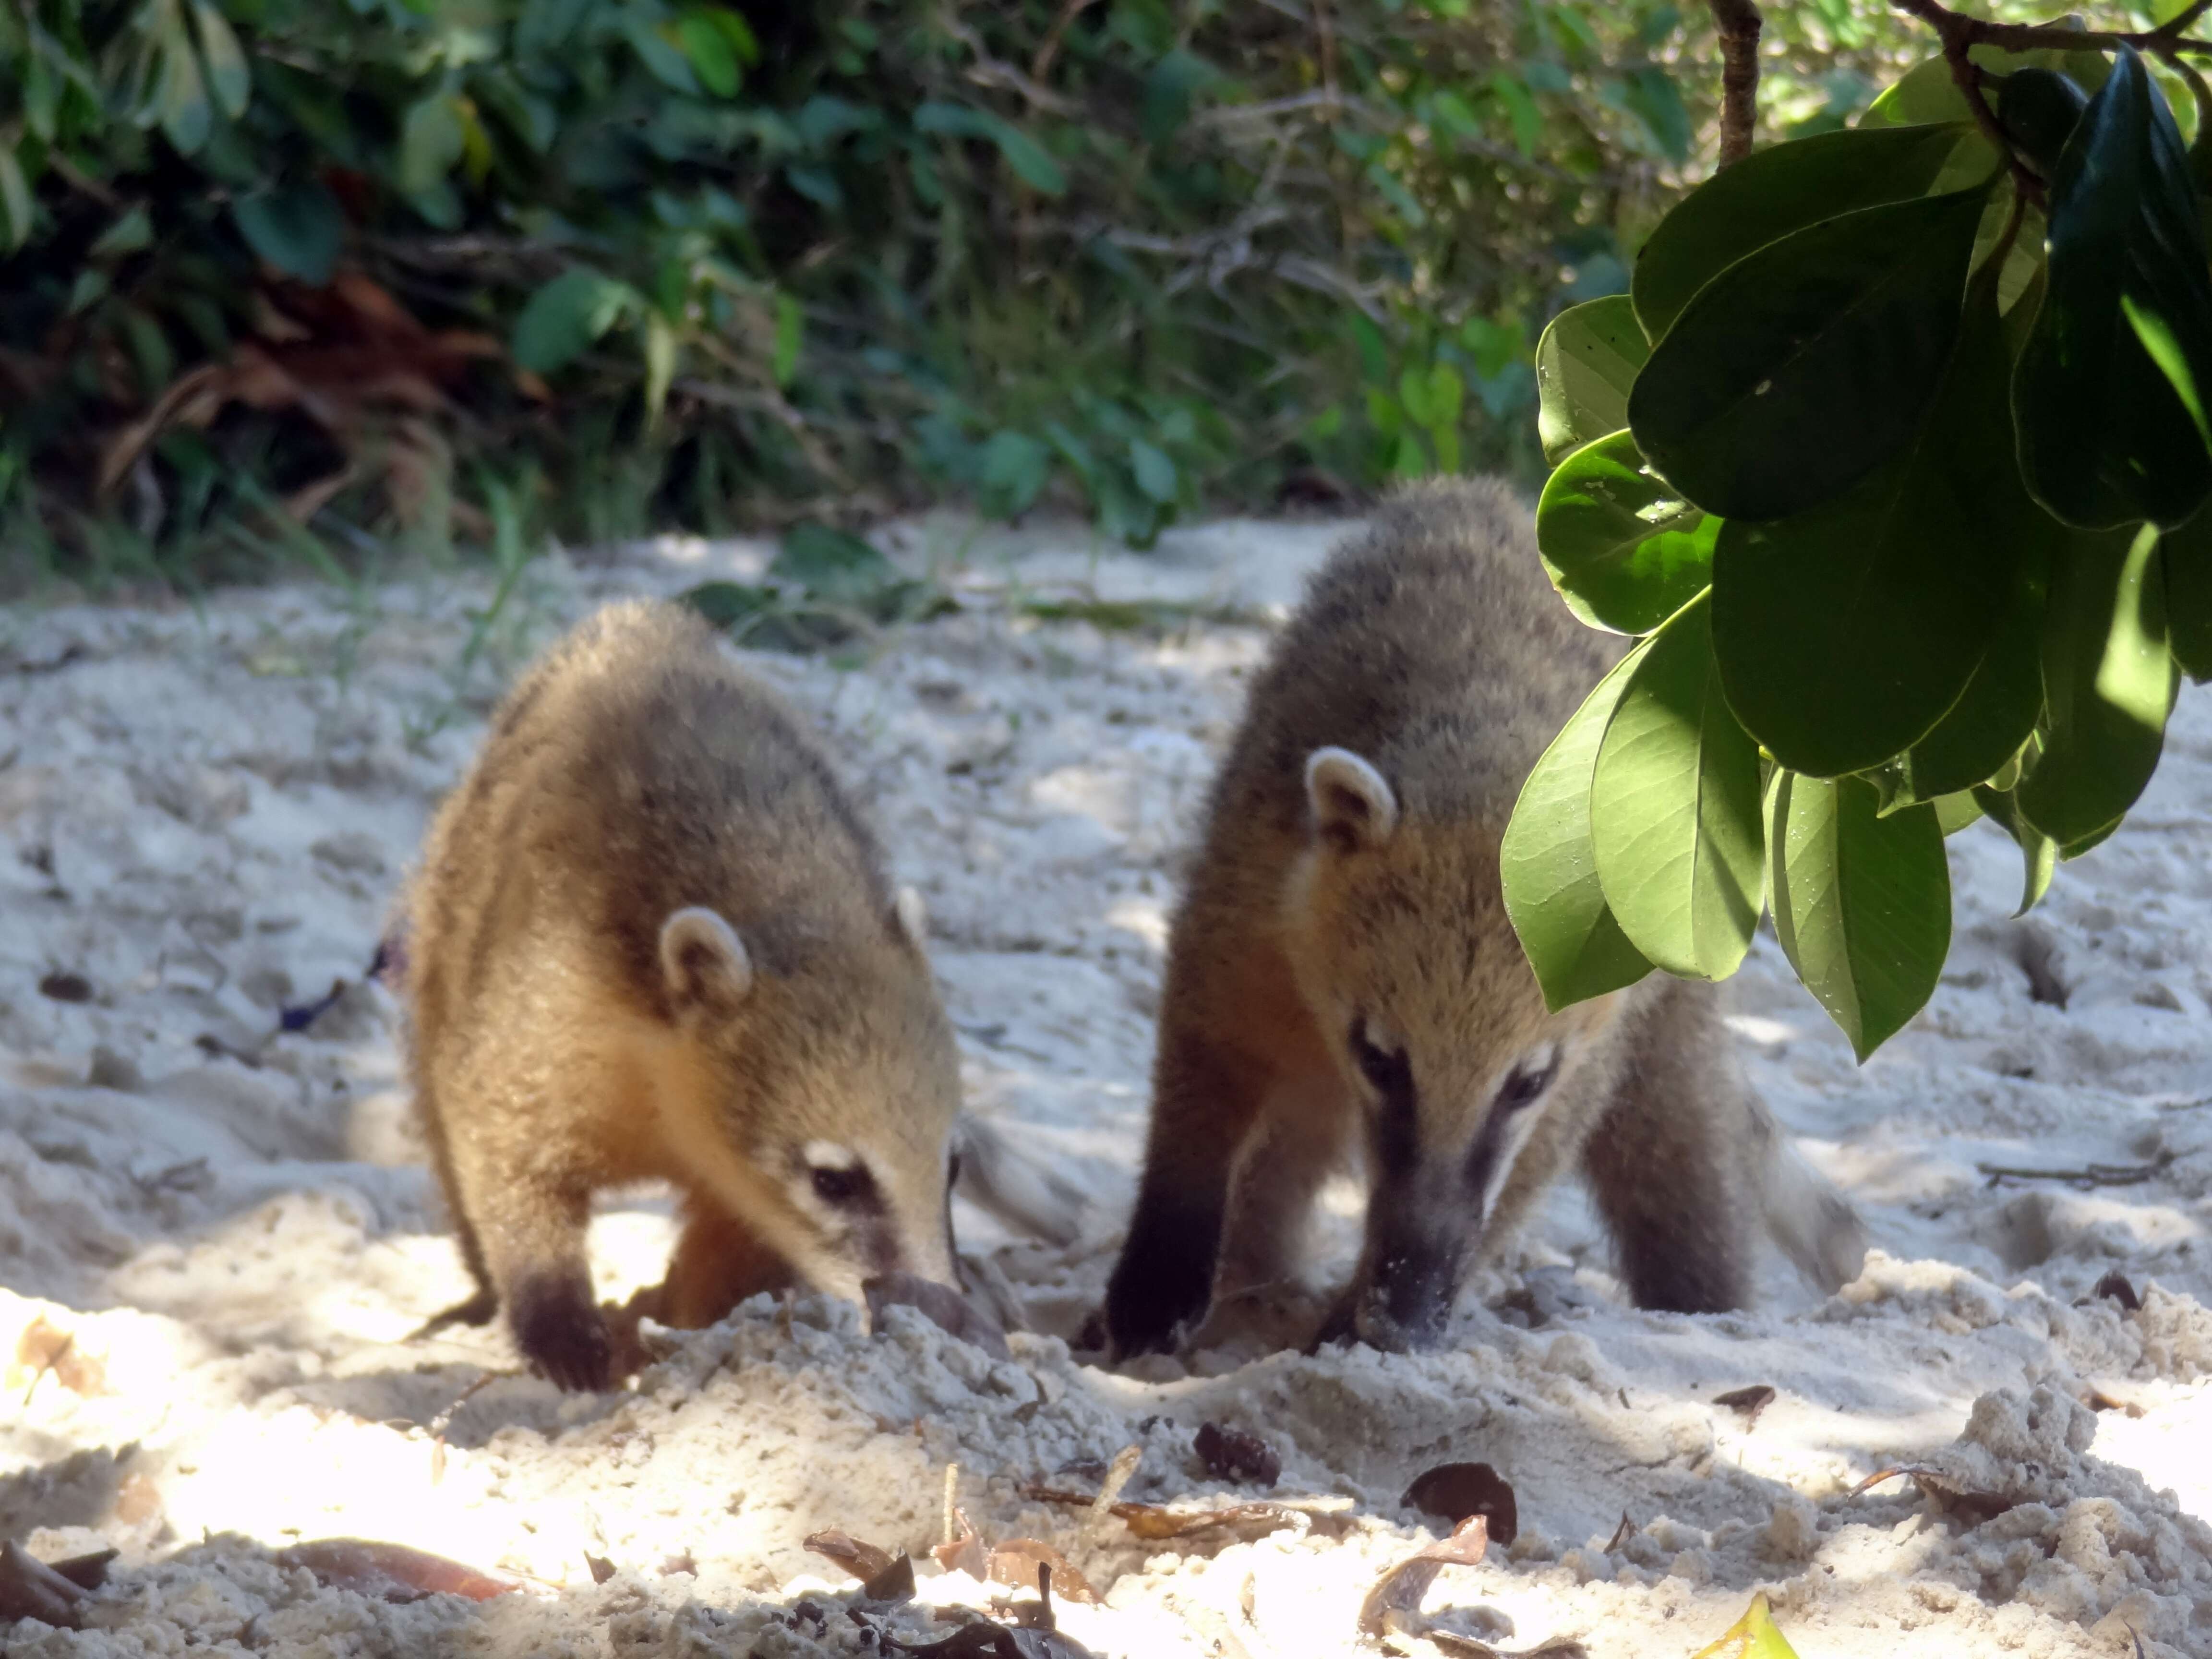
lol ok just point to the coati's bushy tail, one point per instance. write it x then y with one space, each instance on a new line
1015 1187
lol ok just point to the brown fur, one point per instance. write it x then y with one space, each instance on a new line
1433 649
567 1035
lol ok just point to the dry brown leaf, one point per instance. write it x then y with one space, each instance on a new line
1015 1563
1750 1402
1456 1490
964 1551
1151 1521
392 1572
44 1347
1400 1590
861 1559
29 1588
601 1569
1945 1494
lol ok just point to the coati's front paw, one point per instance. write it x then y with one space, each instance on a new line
559 1328
1149 1309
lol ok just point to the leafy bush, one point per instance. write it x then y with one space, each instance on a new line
1894 458
266 262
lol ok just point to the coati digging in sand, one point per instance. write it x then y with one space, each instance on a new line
1341 977
652 938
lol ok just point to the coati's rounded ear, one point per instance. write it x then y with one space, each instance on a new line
1353 807
702 959
913 916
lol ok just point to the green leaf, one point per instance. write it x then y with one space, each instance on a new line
1862 903
1549 864
832 564
1770 193
2039 109
1803 367
1155 473
659 362
790 336
227 70
298 230
132 232
1625 550
1751 1637
2108 685
186 115
1930 92
1674 808
662 58
1986 727
1035 167
566 316
1845 633
1954 812
1528 121
2104 438
2039 853
430 142
1585 364
2186 555
724 604
713 58
16 203
1013 472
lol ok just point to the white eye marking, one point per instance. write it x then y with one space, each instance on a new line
1518 1128
830 1155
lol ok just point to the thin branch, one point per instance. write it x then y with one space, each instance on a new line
1040 65
1968 32
1739 23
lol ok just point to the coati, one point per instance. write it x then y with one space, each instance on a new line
651 937
1342 979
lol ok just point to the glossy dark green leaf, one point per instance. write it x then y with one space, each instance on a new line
1625 550
2038 853
1986 727
1549 864
2185 556
1803 367
1585 364
1845 633
1674 808
1930 92
2108 684
297 230
1862 903
2104 438
2040 108
1770 193
713 58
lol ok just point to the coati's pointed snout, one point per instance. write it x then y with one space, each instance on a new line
1402 1300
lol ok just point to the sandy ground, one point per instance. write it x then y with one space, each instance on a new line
216 1237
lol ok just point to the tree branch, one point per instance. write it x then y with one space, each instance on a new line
1739 23
1957 30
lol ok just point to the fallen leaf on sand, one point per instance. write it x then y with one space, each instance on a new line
1945 1492
862 1560
1400 1590
1036 1637
29 1588
1456 1490
390 1572
962 1551
1750 1402
1015 1563
44 1347
1238 1455
1751 1637
601 1568
86 1571
942 1305
1151 1520
2115 1284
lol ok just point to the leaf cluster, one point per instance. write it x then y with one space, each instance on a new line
1894 458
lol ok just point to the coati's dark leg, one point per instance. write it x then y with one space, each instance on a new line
1301 1140
1664 1158
1206 1099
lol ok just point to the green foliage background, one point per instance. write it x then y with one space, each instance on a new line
350 264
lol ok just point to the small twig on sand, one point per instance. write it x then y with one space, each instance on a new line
1739 24
2093 1175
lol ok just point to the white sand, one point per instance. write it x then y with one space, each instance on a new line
205 814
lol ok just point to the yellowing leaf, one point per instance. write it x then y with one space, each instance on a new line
1751 1637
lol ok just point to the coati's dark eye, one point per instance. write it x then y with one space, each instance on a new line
848 1186
1386 1070
1528 1081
